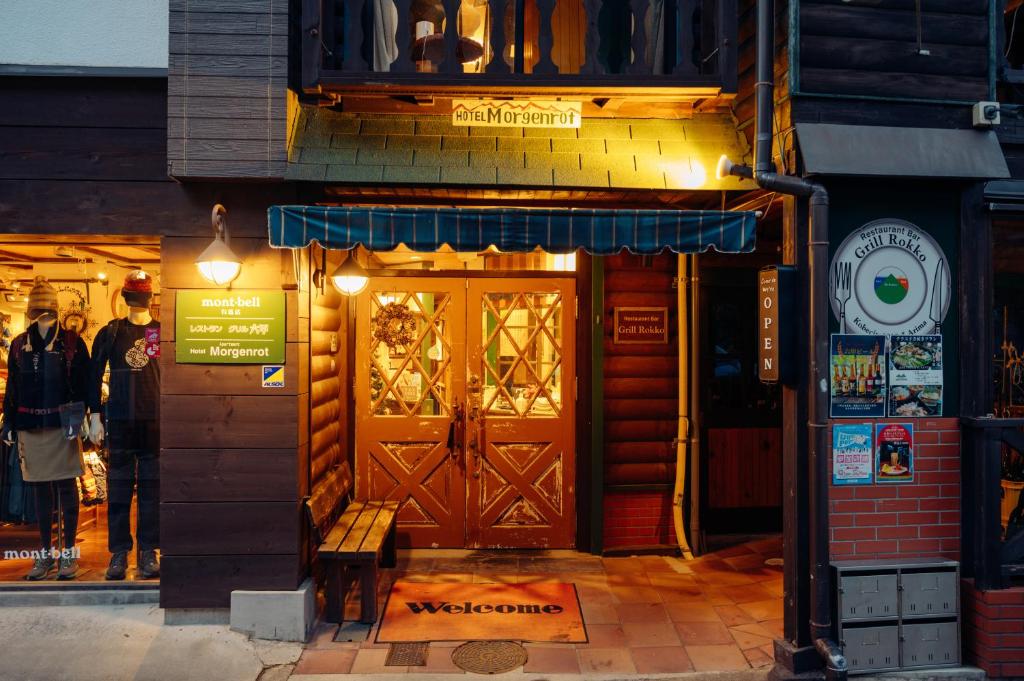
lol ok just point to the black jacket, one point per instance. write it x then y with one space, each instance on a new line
41 378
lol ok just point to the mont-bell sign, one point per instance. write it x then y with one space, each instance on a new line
776 324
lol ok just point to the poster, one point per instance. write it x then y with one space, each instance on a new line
894 452
852 454
857 369
915 376
229 327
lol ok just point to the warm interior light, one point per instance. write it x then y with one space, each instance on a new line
350 278
689 174
218 264
102 276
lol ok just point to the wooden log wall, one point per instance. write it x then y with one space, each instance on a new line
330 378
871 48
234 456
228 61
641 382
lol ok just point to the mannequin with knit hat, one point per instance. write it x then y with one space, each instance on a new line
48 383
130 348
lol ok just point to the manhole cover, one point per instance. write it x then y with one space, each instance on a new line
489 657
407 655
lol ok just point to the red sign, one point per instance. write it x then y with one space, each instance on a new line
641 325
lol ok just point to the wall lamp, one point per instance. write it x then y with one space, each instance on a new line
218 263
350 278
725 168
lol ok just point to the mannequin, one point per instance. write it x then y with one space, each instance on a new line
131 348
44 410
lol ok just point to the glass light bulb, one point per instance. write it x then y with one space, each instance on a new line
219 272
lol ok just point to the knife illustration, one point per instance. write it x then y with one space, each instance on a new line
935 309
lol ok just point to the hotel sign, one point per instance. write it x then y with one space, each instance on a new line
517 114
229 327
635 325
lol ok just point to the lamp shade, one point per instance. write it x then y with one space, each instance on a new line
218 263
350 278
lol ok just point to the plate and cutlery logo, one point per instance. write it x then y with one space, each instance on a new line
889 277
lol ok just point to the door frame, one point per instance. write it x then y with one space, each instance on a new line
589 464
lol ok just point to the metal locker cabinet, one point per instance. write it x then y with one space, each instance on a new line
872 648
928 593
930 644
867 597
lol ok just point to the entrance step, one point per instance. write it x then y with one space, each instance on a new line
69 593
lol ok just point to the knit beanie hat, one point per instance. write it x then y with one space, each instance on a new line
42 298
137 289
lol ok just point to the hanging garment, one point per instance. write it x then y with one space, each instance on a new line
46 455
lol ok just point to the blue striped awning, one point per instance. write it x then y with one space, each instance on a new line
599 232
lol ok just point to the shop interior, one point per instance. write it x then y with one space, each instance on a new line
88 274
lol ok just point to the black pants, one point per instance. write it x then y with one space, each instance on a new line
67 491
134 460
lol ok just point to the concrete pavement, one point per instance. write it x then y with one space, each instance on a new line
130 643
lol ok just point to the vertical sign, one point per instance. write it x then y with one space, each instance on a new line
768 325
229 327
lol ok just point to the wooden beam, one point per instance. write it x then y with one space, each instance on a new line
118 259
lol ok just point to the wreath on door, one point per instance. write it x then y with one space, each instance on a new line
394 325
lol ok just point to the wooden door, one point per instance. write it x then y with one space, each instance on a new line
405 399
521 449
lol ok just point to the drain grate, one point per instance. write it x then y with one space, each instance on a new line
407 655
489 657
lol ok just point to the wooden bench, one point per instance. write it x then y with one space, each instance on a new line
362 536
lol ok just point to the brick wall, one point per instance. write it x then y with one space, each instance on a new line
993 630
916 519
638 519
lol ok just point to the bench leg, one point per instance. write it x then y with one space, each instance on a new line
389 555
335 610
368 595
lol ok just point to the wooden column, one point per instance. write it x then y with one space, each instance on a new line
234 455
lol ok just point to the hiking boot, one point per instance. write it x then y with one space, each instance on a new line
41 568
118 565
149 565
68 568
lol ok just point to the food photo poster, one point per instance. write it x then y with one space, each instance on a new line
894 452
915 376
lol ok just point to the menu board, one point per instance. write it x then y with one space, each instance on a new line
894 452
229 327
852 454
857 371
915 376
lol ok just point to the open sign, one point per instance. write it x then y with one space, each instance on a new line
775 323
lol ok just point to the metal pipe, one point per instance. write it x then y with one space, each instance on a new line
817 329
835 661
683 428
693 308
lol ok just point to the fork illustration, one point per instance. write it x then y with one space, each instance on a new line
843 286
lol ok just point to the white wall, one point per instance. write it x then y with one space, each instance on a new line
90 33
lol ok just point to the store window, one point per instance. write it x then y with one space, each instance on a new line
80 379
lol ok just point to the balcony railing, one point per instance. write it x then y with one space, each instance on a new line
583 46
992 554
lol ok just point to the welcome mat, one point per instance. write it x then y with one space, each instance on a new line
539 613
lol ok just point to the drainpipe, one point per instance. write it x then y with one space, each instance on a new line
817 386
685 426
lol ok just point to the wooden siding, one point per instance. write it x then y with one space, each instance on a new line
640 381
872 49
234 456
744 468
228 61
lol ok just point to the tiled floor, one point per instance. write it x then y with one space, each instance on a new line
644 614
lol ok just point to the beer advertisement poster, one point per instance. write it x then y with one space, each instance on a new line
857 370
915 376
852 453
894 452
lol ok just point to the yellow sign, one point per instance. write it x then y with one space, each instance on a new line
517 114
